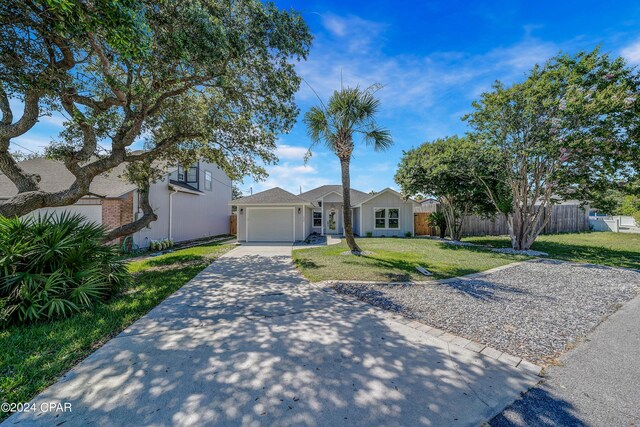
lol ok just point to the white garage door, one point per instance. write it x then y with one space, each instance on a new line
270 225
93 213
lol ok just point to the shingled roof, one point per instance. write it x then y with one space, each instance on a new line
272 196
55 177
277 195
317 193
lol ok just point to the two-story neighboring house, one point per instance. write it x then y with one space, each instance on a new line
191 203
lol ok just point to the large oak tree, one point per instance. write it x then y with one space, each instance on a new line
191 79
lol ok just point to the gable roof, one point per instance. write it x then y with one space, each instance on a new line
317 193
274 195
55 177
277 195
386 190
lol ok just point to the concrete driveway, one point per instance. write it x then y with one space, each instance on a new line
249 342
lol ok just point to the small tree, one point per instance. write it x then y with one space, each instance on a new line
442 168
569 130
350 112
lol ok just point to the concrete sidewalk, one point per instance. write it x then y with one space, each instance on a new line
596 383
250 342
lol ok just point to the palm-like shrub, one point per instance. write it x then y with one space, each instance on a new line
53 266
438 219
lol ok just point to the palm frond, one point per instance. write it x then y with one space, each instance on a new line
350 111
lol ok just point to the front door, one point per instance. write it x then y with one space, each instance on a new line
332 219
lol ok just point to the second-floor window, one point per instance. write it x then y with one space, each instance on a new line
189 176
208 180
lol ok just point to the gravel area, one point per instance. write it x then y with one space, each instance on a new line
535 310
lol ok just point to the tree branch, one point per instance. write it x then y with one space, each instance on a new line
147 218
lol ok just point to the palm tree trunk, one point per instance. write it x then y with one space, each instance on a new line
346 206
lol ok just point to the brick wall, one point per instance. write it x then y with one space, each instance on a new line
117 212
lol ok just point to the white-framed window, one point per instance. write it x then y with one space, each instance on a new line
208 181
317 218
386 218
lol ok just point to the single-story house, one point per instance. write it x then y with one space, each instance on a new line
277 215
191 203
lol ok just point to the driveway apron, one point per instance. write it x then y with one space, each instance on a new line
249 342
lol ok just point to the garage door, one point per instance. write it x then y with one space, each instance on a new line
270 225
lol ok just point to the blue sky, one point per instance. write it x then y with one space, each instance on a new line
433 58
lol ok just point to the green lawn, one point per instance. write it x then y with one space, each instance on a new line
395 259
33 357
613 249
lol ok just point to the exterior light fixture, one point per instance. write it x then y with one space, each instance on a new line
241 211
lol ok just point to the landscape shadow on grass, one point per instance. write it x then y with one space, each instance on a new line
576 252
174 259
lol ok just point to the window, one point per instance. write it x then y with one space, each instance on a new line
208 180
394 218
192 175
189 176
387 218
381 218
317 218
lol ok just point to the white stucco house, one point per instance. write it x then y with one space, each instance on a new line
191 203
277 215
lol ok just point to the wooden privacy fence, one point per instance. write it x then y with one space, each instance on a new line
564 219
420 226
233 225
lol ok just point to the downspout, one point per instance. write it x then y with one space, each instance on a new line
171 211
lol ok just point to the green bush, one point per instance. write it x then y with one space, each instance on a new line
160 245
438 219
53 266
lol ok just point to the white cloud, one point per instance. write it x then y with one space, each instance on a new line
290 152
55 119
418 82
30 144
335 25
291 177
632 52
353 33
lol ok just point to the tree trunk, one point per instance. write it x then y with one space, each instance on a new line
443 231
346 206
454 221
524 227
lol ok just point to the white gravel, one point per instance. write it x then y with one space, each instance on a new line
534 310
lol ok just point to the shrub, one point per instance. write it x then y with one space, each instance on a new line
438 219
53 266
408 234
369 234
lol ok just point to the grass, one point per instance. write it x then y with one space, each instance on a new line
33 357
395 259
605 248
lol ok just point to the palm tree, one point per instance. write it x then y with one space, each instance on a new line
350 113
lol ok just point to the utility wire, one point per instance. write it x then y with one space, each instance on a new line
23 147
